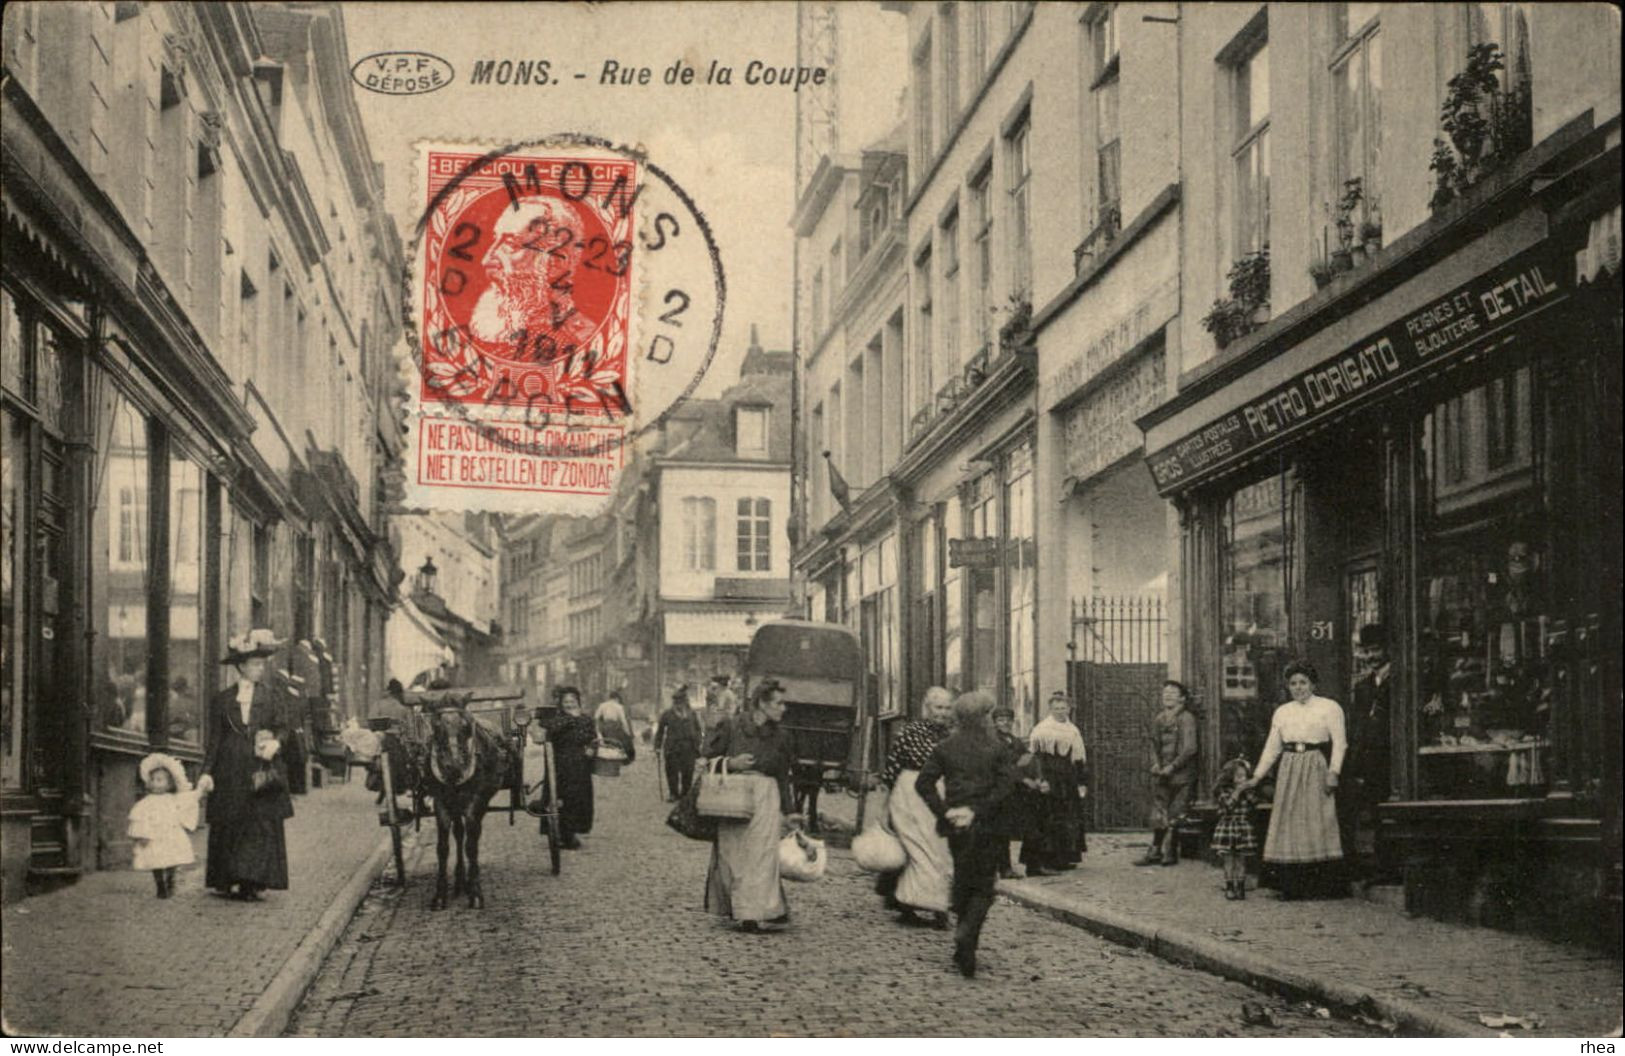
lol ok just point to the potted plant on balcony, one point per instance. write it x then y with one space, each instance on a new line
1371 228
1320 269
1250 285
1484 125
1347 226
1016 333
1226 321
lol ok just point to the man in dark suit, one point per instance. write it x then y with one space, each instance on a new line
1366 771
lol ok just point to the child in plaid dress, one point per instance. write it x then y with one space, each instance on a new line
1233 834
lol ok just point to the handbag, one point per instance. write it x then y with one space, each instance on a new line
686 820
724 795
267 780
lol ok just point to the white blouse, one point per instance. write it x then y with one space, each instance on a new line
245 699
1316 720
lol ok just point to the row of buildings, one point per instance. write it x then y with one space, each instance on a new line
668 584
1180 340
199 312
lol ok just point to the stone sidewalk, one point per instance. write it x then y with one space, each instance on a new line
1426 976
103 957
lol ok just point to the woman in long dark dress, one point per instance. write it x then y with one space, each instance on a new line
1054 837
248 852
574 736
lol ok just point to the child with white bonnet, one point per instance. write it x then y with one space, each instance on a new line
161 820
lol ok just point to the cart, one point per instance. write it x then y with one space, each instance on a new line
501 708
821 667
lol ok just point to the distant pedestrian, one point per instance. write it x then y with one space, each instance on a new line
743 882
977 774
1014 813
1306 736
1172 743
924 883
160 821
677 737
574 737
1054 840
1233 835
248 851
614 725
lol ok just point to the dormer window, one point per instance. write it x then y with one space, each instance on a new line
750 431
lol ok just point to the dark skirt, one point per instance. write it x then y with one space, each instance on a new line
247 851
575 795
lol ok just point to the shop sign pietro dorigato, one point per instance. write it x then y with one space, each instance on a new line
1511 294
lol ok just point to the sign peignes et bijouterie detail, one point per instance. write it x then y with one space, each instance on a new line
1446 328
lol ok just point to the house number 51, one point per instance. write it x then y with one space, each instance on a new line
1321 630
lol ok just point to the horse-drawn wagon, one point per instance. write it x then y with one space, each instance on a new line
458 749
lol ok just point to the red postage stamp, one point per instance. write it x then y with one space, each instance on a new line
527 282
526 305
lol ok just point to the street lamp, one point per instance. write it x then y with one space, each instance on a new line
427 576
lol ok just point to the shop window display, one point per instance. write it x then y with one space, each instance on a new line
1256 638
1485 630
122 527
186 615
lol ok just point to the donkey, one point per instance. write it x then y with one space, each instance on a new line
467 763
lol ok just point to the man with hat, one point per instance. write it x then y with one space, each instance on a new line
1367 767
678 735
248 852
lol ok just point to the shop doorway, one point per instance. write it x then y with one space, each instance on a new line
1115 677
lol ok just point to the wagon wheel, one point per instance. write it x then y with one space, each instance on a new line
550 820
393 820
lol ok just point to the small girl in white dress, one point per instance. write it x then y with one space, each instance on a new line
160 821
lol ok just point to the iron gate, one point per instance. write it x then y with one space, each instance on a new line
1115 675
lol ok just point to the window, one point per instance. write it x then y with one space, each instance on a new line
948 17
835 271
699 523
122 467
981 218
1255 639
979 42
1021 590
1357 103
923 368
982 517
1104 96
873 579
949 237
14 560
755 523
953 605
1488 670
188 666
818 305
750 425
1018 153
923 129
1505 25
1251 155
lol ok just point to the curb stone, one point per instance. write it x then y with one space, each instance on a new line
1185 947
271 1012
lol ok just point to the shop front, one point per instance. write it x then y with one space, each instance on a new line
1415 485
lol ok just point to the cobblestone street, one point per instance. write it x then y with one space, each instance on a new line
619 944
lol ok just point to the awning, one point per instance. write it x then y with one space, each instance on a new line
411 645
722 627
1468 305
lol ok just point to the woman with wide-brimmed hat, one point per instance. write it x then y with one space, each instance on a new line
248 852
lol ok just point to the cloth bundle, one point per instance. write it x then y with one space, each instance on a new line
878 850
686 819
801 857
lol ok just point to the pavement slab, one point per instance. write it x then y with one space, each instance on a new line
103 957
1437 978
